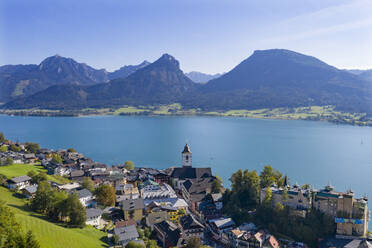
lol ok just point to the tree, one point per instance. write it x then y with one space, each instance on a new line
88 184
133 244
152 244
31 242
58 211
32 147
268 176
37 178
9 161
3 148
305 186
216 186
141 233
2 138
42 202
129 165
56 158
3 180
267 202
285 195
14 148
115 239
71 150
75 211
193 242
105 194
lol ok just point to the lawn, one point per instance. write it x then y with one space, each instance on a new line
50 234
16 170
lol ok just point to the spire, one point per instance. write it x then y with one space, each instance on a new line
186 149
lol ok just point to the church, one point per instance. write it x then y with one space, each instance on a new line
181 174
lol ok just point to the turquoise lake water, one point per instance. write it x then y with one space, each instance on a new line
308 152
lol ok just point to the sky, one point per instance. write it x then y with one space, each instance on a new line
210 36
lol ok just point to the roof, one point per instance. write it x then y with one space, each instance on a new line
84 193
189 222
125 223
186 149
20 179
223 222
216 197
126 233
191 173
77 173
171 231
29 156
93 212
157 217
272 242
132 204
31 189
198 186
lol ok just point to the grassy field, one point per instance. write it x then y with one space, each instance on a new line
50 234
16 170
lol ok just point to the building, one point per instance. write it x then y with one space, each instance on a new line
128 191
179 175
168 234
85 197
19 182
220 225
194 191
93 217
133 209
152 191
351 214
156 217
126 234
30 191
191 227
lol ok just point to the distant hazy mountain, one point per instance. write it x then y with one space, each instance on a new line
199 77
283 78
25 80
364 74
267 79
158 83
125 71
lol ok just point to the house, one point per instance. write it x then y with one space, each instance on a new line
156 217
68 187
30 191
194 190
77 175
270 242
30 158
168 234
19 182
218 226
93 217
191 227
133 209
211 206
85 197
126 234
128 191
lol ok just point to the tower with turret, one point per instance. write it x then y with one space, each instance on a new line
186 156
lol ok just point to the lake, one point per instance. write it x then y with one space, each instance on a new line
308 152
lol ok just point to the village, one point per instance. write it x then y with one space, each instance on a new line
180 205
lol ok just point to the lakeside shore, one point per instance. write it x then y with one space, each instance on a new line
313 113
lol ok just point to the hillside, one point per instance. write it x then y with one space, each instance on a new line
126 70
24 80
282 78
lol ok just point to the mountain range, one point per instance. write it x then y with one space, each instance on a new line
199 77
267 79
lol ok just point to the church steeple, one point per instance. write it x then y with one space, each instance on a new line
186 156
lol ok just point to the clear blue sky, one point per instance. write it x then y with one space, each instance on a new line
204 35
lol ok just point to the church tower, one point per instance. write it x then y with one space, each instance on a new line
186 156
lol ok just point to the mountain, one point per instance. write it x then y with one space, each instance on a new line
199 77
25 80
161 82
366 75
125 71
267 79
282 78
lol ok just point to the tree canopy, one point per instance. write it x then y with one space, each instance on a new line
32 147
105 194
129 165
88 184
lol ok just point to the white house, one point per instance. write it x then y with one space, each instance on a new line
19 182
85 197
93 217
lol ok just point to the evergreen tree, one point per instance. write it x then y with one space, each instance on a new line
105 194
